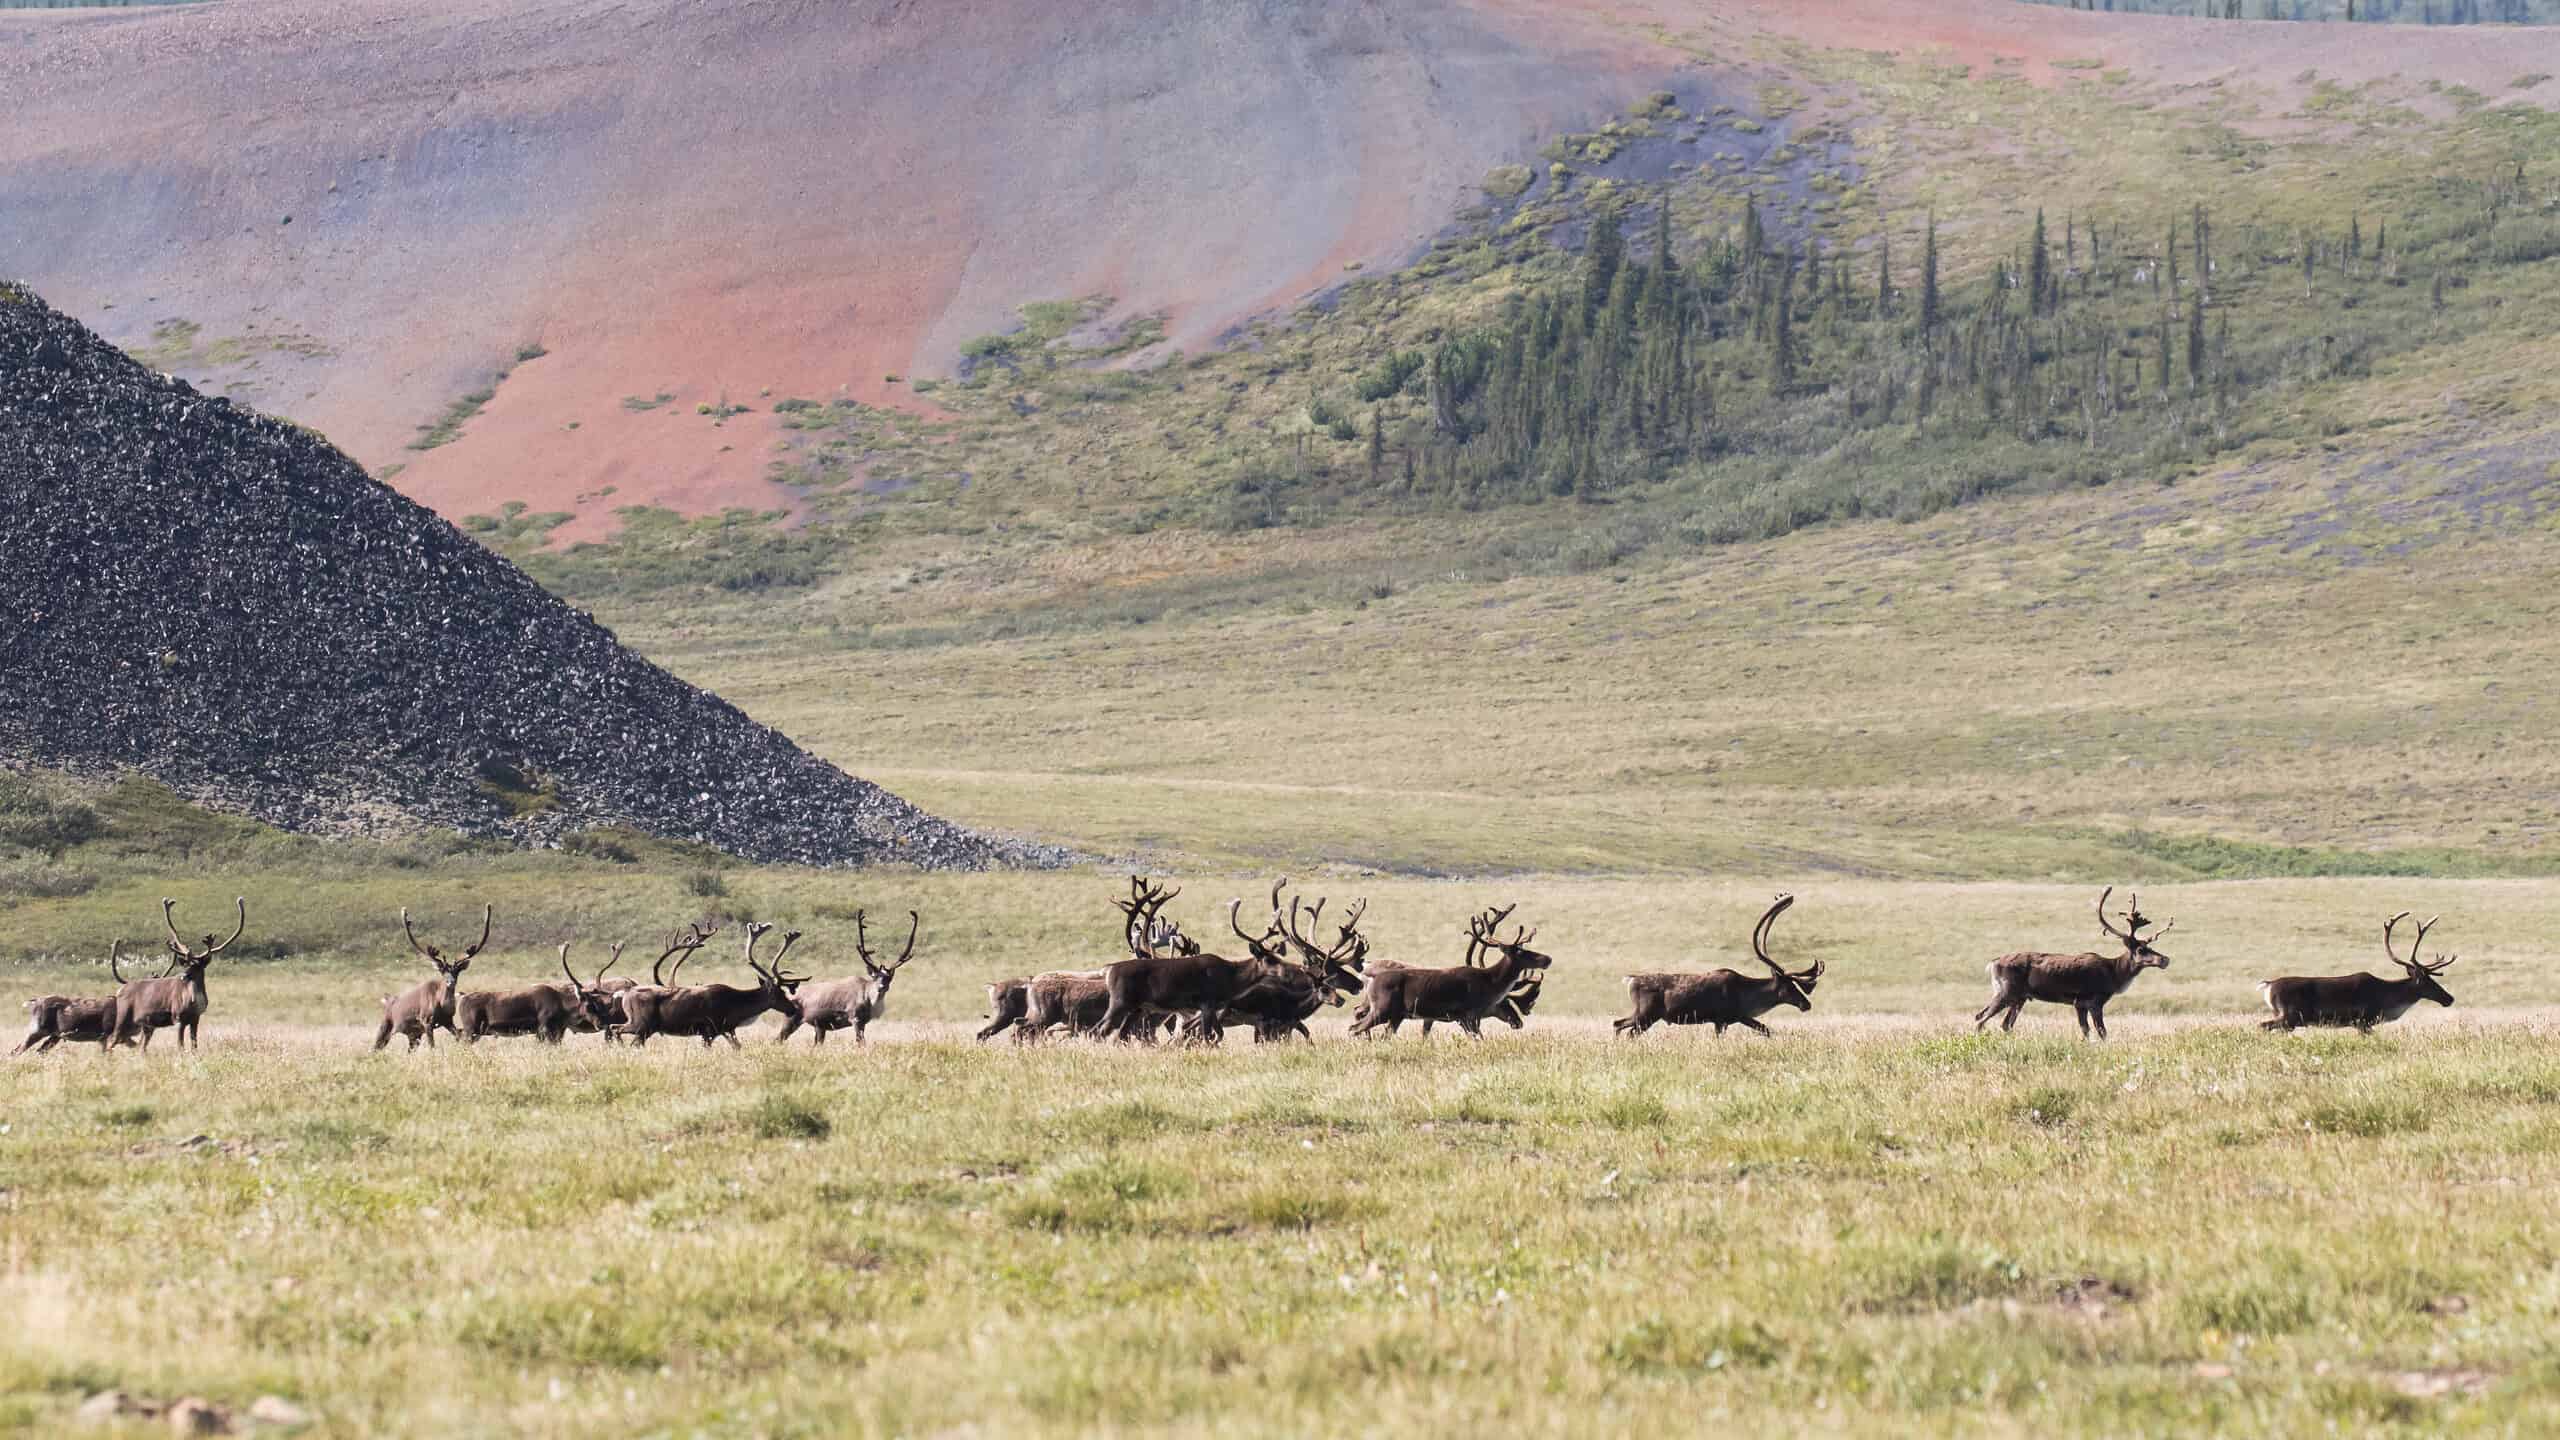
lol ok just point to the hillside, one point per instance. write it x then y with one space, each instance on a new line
360 215
223 601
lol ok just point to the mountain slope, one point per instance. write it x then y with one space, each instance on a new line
224 601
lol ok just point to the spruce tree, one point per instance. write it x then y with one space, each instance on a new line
1600 264
2039 270
2195 345
2204 254
1782 334
1377 445
1884 277
2355 238
2163 329
1929 280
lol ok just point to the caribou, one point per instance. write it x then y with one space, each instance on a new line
53 1019
1722 997
1076 1000
710 1012
422 1009
2362 1001
1279 1007
1144 986
618 992
852 1003
2085 982
548 1010
178 997
1462 995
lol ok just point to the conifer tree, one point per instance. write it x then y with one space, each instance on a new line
1782 334
2195 345
1884 277
2039 270
1929 280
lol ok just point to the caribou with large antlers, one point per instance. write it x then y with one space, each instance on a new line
1722 997
1278 1006
178 997
1144 986
2085 982
53 1019
1076 1000
1463 995
422 1009
853 1003
715 1011
2362 1001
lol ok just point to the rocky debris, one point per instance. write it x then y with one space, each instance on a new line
224 601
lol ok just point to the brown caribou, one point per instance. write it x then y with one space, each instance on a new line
422 1009
53 1019
852 1003
2085 982
1722 997
178 997
709 1012
1462 995
1076 1000
1146 986
1279 1006
2362 1001
618 991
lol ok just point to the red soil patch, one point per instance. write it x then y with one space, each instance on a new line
796 198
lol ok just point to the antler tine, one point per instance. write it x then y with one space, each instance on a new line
2165 927
755 932
574 981
407 930
115 961
862 938
2443 964
915 923
237 930
1760 932
2421 939
1235 909
169 919
2387 927
487 913
613 960
789 939
1276 887
2102 916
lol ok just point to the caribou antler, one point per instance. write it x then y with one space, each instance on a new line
574 982
680 948
487 913
169 919
426 952
613 960
862 944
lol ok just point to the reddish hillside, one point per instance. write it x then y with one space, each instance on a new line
361 210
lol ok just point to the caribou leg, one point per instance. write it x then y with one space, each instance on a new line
2098 1017
1755 1027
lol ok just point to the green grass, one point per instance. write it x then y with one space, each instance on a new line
1834 1231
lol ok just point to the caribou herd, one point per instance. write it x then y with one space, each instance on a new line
1170 988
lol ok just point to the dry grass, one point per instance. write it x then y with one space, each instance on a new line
1856 1228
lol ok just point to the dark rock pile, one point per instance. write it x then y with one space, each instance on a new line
224 601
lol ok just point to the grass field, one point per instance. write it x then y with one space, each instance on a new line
1862 1227
1875 1223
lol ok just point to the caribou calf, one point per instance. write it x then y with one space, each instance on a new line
1722 997
178 997
2085 982
853 1003
2362 1001
422 1009
53 1019
1462 995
